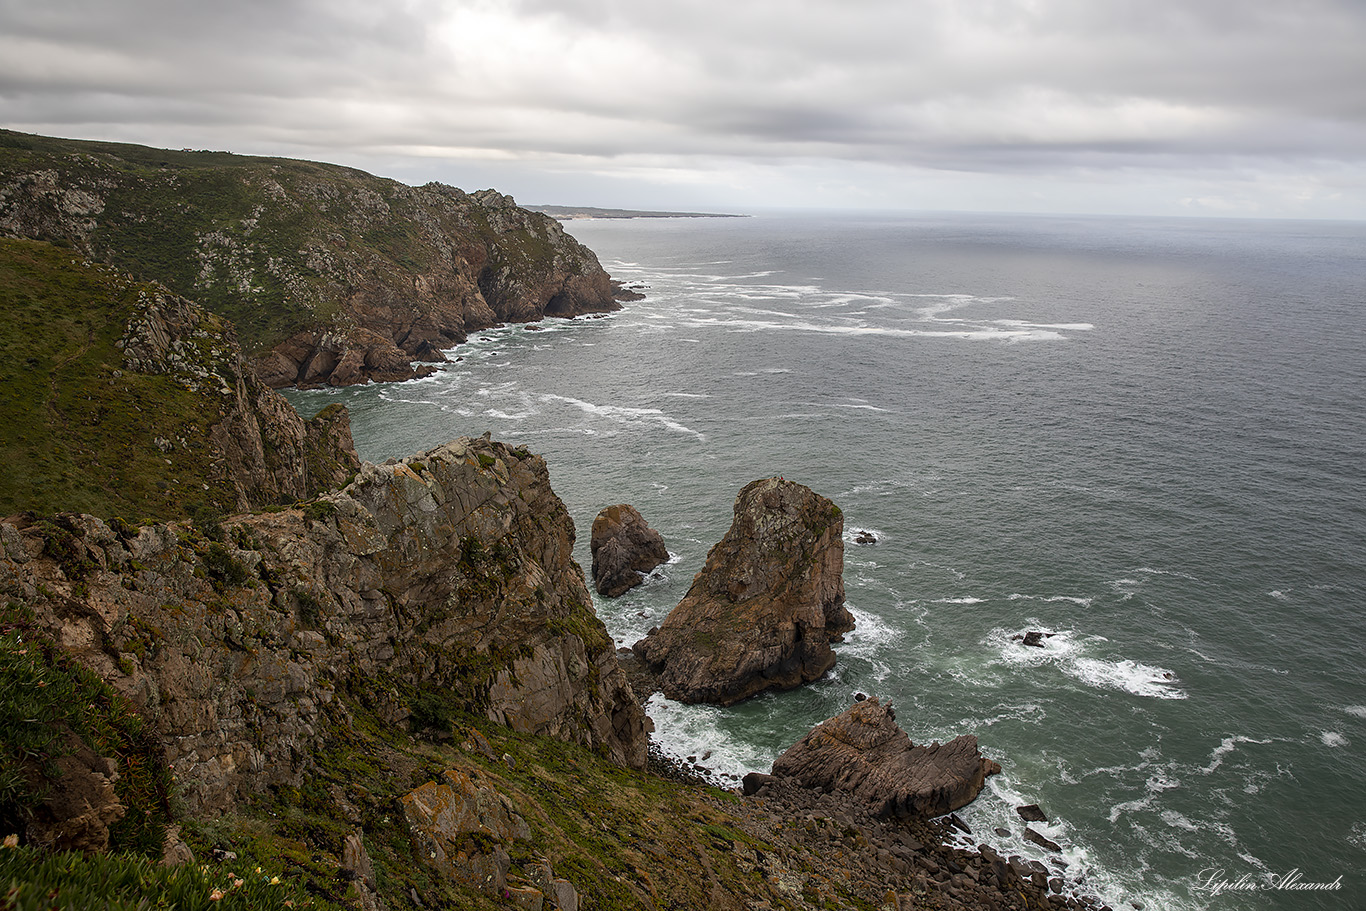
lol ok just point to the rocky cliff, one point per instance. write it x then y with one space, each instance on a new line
447 575
123 398
762 612
331 275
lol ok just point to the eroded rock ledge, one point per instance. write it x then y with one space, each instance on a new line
450 572
864 753
762 612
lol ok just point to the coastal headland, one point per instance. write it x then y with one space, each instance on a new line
241 666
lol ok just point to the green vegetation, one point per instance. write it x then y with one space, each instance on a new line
603 827
46 699
79 432
33 880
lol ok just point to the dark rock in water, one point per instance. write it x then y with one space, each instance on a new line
623 547
863 536
863 752
859 697
766 606
1031 813
1034 638
1041 841
1003 832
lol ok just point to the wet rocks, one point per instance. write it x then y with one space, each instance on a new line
764 609
1042 840
1031 813
624 547
863 752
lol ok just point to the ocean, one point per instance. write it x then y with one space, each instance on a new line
1145 438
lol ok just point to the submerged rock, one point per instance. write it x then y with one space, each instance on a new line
623 547
863 752
766 606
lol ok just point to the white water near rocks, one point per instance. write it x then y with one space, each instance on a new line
1144 437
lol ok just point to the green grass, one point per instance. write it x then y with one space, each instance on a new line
33 880
44 695
78 430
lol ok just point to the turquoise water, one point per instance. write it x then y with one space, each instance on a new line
1143 436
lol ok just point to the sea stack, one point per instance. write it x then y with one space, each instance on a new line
764 609
624 547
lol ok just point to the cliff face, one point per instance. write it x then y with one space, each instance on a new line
123 398
448 575
331 275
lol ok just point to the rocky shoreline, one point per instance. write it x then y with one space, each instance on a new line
309 646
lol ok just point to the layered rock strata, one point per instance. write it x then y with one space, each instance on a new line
448 574
864 753
762 612
623 548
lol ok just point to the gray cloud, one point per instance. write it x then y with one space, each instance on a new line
745 93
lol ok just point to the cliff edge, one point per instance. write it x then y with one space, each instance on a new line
449 574
331 275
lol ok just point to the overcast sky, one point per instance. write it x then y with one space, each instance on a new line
1213 107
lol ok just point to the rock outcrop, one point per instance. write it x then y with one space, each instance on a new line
134 401
462 829
332 276
762 612
260 446
447 576
623 548
863 752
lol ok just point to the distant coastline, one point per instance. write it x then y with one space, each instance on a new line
565 213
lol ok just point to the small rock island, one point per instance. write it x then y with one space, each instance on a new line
764 609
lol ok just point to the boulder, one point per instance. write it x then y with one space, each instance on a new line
623 547
764 609
459 828
864 753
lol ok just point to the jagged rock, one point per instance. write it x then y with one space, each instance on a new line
623 547
452 570
1042 840
1032 813
764 609
863 752
356 863
80 804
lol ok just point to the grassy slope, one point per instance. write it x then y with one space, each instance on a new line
158 203
78 432
625 839
273 244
